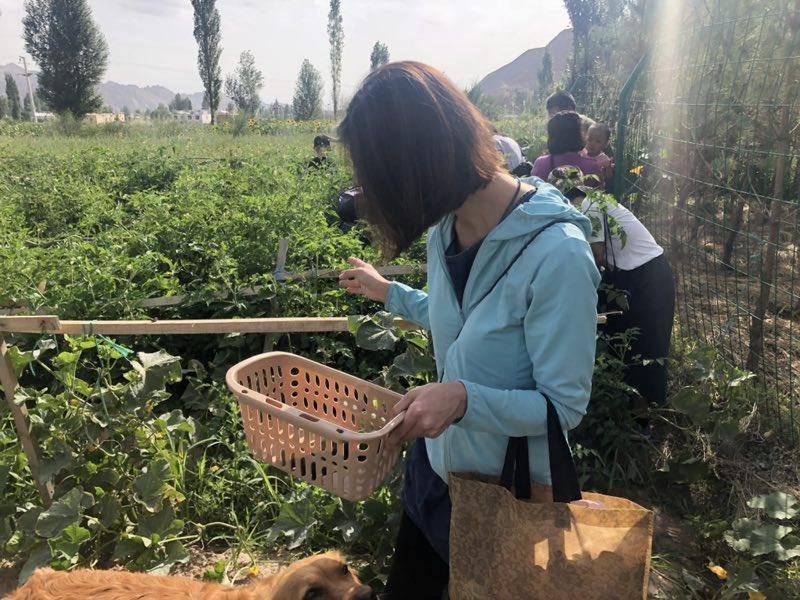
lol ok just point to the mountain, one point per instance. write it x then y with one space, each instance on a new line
521 73
115 95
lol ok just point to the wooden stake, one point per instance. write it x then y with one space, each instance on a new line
280 265
22 423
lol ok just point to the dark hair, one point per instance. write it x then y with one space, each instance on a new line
419 148
564 133
322 141
560 101
604 128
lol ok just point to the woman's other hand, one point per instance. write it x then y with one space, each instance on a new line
364 280
430 410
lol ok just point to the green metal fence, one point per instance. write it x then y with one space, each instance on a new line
710 161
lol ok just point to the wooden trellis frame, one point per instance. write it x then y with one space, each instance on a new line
49 324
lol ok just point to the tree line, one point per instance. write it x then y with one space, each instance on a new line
72 55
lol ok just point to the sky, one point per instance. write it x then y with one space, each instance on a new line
151 41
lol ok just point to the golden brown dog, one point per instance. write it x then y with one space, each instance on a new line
323 577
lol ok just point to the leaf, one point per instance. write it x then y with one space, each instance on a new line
66 358
176 421
294 521
39 556
162 523
109 509
354 323
128 547
53 466
176 553
371 336
693 404
149 485
69 542
777 505
66 511
156 370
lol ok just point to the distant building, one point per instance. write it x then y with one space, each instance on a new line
202 117
45 116
224 116
104 118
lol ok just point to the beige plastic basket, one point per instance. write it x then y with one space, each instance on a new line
316 423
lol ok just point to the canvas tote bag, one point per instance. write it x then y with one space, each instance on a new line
514 539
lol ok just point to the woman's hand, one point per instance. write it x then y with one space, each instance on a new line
364 280
430 410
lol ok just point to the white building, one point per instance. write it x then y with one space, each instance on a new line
202 117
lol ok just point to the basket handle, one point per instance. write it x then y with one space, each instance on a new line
301 419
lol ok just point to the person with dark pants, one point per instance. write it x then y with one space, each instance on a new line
637 268
650 291
511 301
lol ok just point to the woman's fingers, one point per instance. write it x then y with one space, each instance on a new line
351 274
409 424
357 262
404 403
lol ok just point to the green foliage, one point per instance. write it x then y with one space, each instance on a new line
770 536
180 103
336 40
12 94
379 56
488 106
71 53
545 76
244 85
307 101
136 479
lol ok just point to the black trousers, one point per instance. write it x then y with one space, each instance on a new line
651 298
417 572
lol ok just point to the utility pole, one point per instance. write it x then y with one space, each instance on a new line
30 87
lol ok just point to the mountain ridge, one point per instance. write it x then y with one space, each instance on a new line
116 95
521 74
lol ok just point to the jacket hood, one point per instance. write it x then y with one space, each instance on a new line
547 206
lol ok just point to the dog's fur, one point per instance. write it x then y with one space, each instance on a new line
323 577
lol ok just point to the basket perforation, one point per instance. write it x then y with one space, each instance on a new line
318 424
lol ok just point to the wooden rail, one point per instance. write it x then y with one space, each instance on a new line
281 276
51 324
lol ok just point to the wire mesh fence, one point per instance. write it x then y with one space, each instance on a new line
712 166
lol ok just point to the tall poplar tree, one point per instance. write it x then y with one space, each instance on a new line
207 34
336 39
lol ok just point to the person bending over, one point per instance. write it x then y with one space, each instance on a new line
637 267
511 300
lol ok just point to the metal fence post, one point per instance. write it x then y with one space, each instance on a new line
622 122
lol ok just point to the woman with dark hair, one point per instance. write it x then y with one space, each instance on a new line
565 143
511 300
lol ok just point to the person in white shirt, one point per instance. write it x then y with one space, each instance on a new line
634 264
510 150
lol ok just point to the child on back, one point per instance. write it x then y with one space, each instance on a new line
597 141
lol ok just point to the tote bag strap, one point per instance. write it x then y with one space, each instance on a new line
499 278
516 469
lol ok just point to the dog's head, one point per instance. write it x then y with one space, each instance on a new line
323 577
